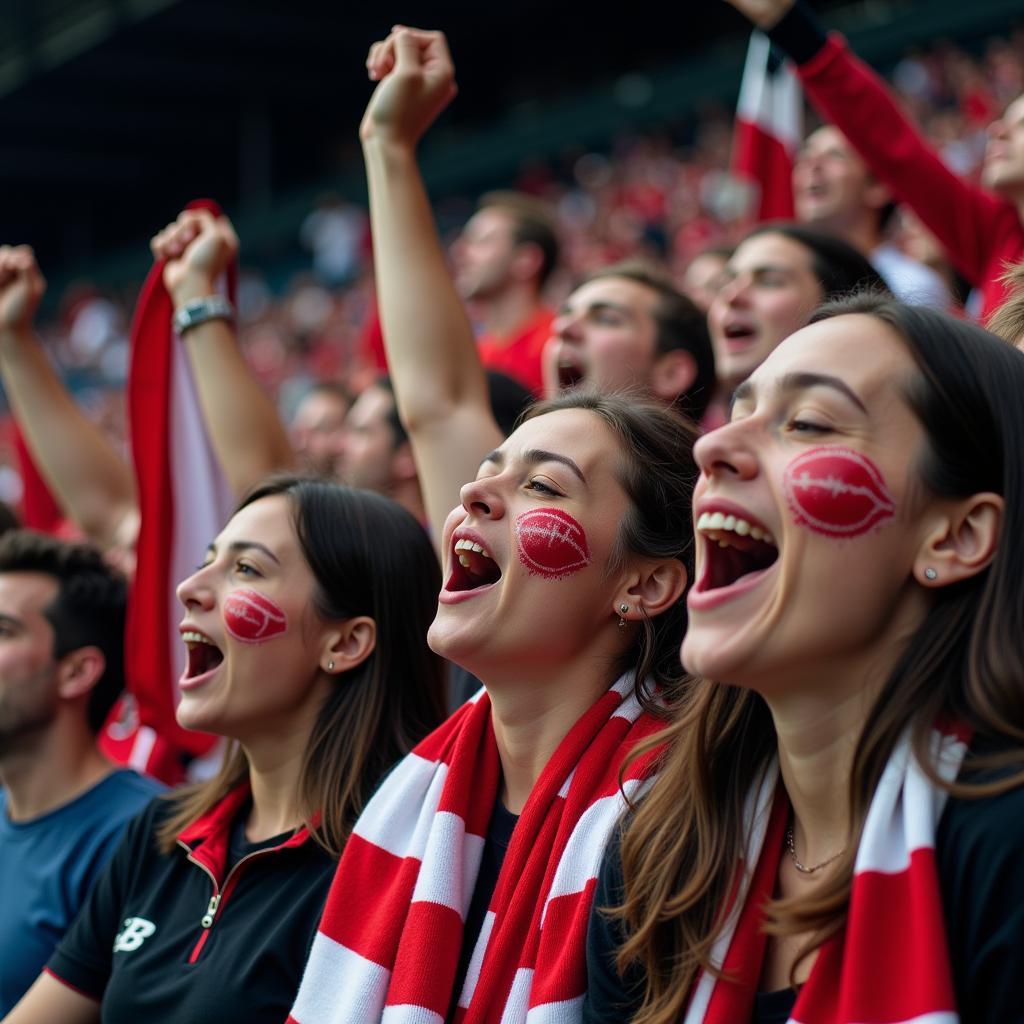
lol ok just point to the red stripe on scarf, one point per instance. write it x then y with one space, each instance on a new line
890 963
417 818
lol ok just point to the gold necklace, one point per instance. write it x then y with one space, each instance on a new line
802 868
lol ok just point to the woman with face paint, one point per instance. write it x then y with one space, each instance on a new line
774 280
465 891
837 831
305 627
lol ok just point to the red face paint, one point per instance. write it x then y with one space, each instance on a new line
252 617
551 543
838 492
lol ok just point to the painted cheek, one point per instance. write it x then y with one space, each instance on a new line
551 543
252 617
837 492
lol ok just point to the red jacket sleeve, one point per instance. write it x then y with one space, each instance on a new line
970 222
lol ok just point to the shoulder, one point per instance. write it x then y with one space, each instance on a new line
128 789
991 827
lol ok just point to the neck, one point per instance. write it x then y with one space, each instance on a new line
275 773
503 314
819 717
51 769
816 746
858 229
531 718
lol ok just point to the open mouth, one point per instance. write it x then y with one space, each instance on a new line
739 335
203 654
472 567
570 375
734 548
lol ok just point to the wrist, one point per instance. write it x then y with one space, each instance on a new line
16 334
196 312
192 287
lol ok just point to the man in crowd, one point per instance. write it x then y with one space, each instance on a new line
835 192
982 229
62 805
502 260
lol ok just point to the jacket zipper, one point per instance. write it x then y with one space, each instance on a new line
216 900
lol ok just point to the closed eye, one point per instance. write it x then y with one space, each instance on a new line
806 427
542 488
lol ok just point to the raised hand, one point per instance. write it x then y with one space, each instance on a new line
198 248
416 81
763 13
21 289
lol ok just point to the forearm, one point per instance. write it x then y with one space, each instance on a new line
94 485
242 422
431 349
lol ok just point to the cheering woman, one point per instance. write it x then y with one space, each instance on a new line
305 628
836 833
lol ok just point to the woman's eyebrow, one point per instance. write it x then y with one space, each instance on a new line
532 456
803 381
237 546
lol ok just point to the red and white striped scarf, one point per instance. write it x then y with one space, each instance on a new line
388 945
890 963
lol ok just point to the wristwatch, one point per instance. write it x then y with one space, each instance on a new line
198 311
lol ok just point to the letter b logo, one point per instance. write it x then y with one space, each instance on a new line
134 933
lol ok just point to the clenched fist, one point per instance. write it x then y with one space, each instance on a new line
416 81
21 288
198 248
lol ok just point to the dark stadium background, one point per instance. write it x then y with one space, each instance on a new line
114 112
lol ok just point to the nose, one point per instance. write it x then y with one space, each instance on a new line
195 591
726 454
735 291
566 326
481 498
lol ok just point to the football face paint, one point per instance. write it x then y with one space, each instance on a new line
837 492
551 543
252 617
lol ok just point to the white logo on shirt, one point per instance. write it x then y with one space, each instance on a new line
134 933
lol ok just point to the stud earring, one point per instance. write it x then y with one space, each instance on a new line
330 665
931 574
623 608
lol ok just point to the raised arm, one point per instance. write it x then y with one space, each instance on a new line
243 424
439 383
93 484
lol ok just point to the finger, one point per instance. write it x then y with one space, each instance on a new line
383 58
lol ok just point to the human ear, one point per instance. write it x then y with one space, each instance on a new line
651 591
962 542
672 374
349 645
526 261
79 672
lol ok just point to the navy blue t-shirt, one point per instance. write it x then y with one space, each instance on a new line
48 865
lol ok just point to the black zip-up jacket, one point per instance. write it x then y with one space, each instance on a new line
190 938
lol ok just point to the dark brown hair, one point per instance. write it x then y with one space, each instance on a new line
533 224
657 471
369 557
964 661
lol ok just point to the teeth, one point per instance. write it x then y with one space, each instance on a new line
468 545
709 522
191 637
